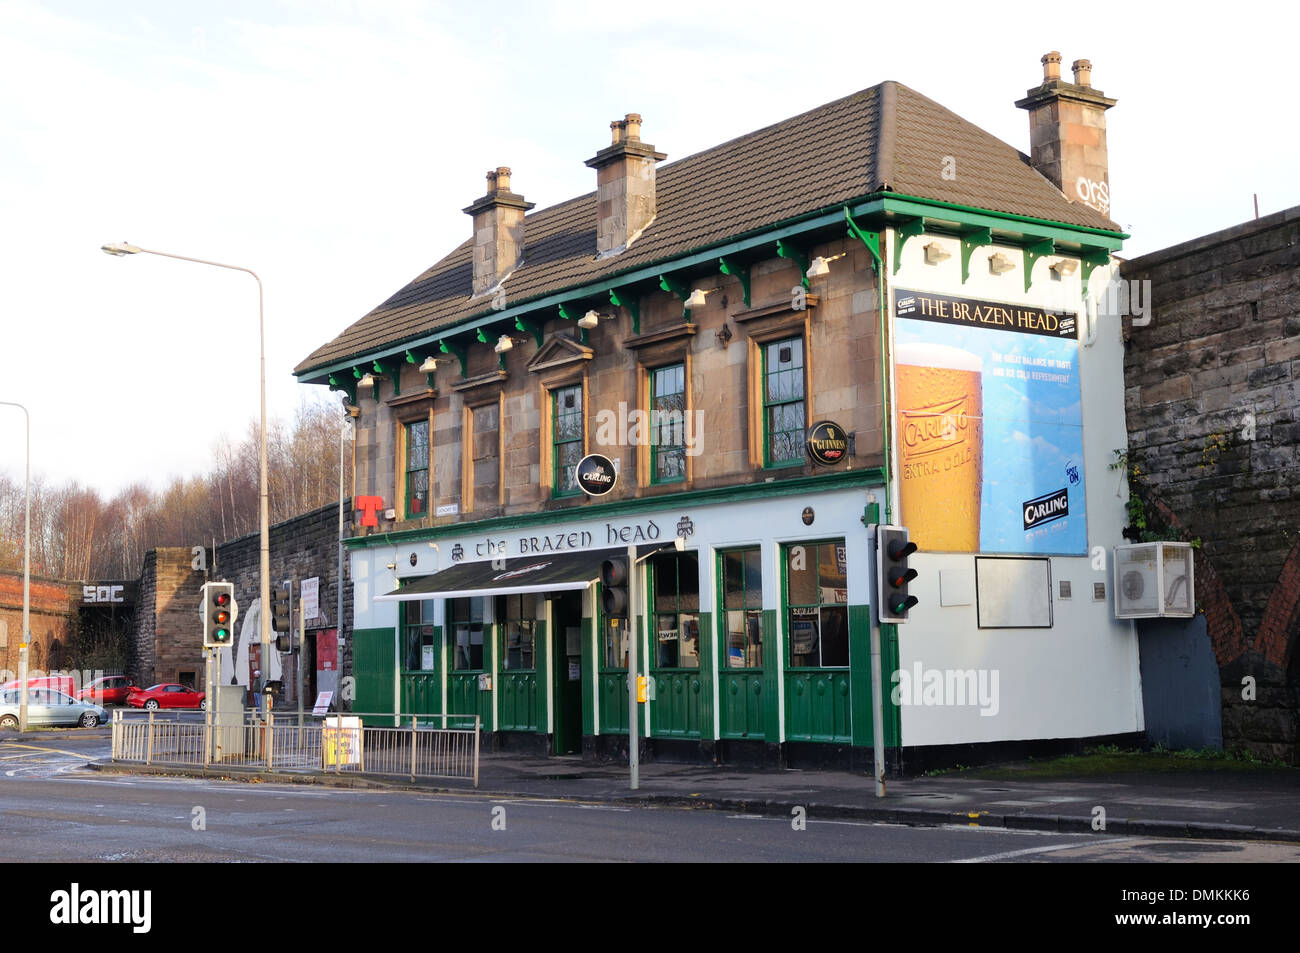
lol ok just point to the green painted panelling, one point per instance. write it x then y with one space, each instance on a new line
517 692
771 696
741 698
817 706
464 698
860 673
590 681
613 703
679 700
707 642
421 693
539 660
374 666
888 666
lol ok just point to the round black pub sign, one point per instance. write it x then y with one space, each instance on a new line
596 474
827 443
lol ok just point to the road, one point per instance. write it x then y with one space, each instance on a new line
52 808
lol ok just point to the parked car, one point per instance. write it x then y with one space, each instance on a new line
46 707
165 695
109 690
59 683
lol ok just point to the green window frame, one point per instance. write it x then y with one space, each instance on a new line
675 610
816 604
419 637
668 424
516 618
417 469
568 430
740 572
465 631
784 418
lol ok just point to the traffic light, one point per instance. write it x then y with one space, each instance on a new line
281 615
284 643
613 580
892 549
218 610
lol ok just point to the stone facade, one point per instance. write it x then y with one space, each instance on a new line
53 620
472 450
1212 397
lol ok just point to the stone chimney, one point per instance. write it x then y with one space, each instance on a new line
625 186
498 231
1067 133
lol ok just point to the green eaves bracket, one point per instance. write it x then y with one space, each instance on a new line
564 313
869 239
394 372
1092 259
349 389
908 229
1034 252
738 270
412 359
529 326
633 304
785 249
460 352
482 338
671 284
971 239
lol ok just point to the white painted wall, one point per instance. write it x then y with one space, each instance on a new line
1081 676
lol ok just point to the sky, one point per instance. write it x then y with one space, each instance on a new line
330 148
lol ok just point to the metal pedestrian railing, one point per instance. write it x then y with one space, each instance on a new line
408 745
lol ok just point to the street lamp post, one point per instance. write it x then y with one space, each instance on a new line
27 576
122 248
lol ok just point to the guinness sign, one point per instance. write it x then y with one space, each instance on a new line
596 474
827 443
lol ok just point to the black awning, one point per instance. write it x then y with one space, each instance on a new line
557 572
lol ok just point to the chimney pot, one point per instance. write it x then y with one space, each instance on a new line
498 231
625 186
1051 67
1082 72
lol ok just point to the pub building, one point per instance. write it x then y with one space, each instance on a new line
873 312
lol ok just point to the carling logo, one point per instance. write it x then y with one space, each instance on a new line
77 906
1044 509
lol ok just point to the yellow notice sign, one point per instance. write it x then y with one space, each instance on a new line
341 741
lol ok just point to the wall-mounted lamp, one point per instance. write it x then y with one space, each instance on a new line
723 336
589 320
696 300
1066 266
1000 264
935 253
822 266
429 366
504 343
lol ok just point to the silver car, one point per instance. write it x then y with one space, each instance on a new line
46 707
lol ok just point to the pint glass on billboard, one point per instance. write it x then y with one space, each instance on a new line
941 446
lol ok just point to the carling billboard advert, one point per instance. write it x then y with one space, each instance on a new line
990 432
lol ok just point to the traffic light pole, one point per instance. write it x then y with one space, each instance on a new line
877 682
633 637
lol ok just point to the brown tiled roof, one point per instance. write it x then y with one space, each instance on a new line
886 138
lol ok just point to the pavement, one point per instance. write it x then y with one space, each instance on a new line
1256 804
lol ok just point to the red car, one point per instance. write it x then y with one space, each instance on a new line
109 690
166 695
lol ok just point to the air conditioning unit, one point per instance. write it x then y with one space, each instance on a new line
1154 581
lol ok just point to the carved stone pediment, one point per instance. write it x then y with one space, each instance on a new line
560 352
